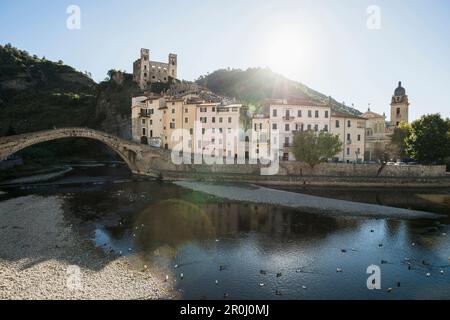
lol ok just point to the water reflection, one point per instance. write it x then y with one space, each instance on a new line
221 246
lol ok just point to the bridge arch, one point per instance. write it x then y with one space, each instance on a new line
128 151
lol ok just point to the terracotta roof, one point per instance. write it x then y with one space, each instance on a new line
345 115
371 115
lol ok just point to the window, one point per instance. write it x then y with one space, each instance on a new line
220 120
203 130
325 128
186 110
256 126
151 133
274 126
287 114
299 114
398 111
359 137
274 113
213 109
309 114
213 119
349 138
220 130
186 120
349 123
326 114
348 151
316 127
173 111
286 141
144 131
172 125
260 126
143 121
191 131
317 114
229 119
286 127
151 122
309 127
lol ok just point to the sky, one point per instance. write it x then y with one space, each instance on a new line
347 49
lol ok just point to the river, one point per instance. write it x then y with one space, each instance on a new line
211 248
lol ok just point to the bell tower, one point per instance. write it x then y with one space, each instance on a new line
399 106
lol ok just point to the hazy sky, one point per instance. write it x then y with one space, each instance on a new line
325 44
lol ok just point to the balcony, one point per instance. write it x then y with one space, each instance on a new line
145 113
288 118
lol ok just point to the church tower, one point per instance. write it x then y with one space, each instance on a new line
399 106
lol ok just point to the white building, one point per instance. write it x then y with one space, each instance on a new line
297 116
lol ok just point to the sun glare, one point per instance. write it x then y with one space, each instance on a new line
286 51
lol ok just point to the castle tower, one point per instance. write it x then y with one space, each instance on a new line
145 68
173 65
399 106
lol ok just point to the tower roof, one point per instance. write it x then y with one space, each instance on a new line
400 91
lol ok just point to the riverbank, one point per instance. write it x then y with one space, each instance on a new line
37 247
257 194
312 181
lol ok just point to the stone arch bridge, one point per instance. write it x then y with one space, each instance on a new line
141 159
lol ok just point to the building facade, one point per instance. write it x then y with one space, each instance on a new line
146 72
351 131
259 143
291 117
399 106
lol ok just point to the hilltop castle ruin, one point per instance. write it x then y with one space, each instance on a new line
146 72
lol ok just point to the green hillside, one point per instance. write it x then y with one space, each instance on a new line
255 85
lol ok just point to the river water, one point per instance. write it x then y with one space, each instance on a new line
214 249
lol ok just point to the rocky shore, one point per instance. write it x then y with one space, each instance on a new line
42 257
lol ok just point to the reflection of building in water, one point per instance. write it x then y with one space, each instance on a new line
230 219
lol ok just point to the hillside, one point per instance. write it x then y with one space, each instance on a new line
38 94
255 85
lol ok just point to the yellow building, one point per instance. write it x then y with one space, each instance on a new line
351 132
260 139
172 123
147 118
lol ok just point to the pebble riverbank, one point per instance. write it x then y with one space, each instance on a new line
310 203
37 246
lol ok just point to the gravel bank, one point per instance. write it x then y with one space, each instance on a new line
37 247
38 178
302 201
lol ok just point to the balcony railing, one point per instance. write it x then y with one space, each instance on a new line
288 118
145 114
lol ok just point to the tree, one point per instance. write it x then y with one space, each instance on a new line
379 152
314 148
429 141
398 147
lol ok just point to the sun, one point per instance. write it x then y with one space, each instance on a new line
286 51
